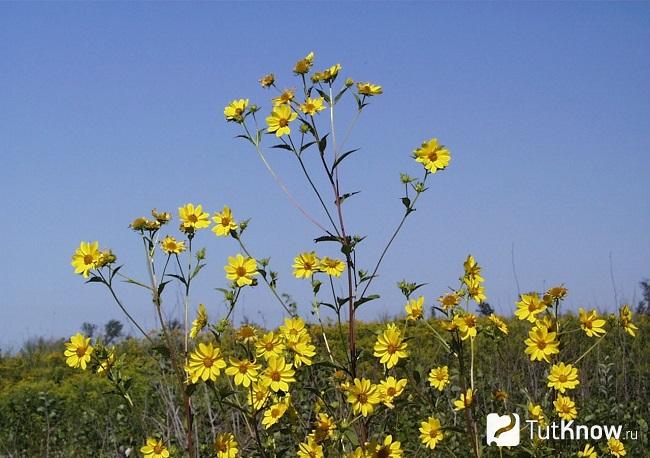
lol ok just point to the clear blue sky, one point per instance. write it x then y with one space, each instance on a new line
108 110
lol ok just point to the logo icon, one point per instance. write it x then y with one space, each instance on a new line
503 430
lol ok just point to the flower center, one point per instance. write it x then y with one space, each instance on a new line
541 344
241 271
269 346
158 449
207 361
391 391
192 218
225 221
562 378
392 348
283 122
80 351
433 156
243 368
88 259
362 398
275 376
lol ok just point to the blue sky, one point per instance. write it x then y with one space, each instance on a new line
111 109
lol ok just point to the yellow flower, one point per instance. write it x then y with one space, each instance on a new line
241 270
565 408
541 344
432 155
389 448
234 112
205 363
472 269
172 246
284 98
193 218
246 334
258 395
529 306
590 323
475 290
449 301
226 446
625 318
154 448
466 325
616 447
85 258
267 80
105 258
274 413
391 388
78 351
303 350
243 371
224 222
431 432
500 395
439 377
310 449
324 427
304 65
555 293
466 399
305 265
312 106
390 346
363 396
161 217
415 309
105 364
587 452
333 267
563 377
278 375
328 75
269 346
200 322
498 323
536 413
293 328
369 89
279 120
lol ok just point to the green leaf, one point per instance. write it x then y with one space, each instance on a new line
340 94
326 238
94 279
407 202
161 287
323 94
178 277
161 350
346 195
306 145
343 156
322 144
282 146
363 300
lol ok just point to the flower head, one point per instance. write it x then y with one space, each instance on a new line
466 324
529 306
369 89
465 400
241 270
200 322
224 222
78 351
193 218
284 98
391 388
449 301
243 371
390 346
498 323
269 345
363 396
279 120
541 344
536 413
415 309
267 80
85 258
310 449
305 265
590 323
431 432
304 65
332 267
226 446
563 377
312 106
172 246
274 413
205 363
587 452
246 334
432 155
154 448
234 112
439 377
565 408
278 374
625 319
616 447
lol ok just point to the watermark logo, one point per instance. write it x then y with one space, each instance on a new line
503 430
